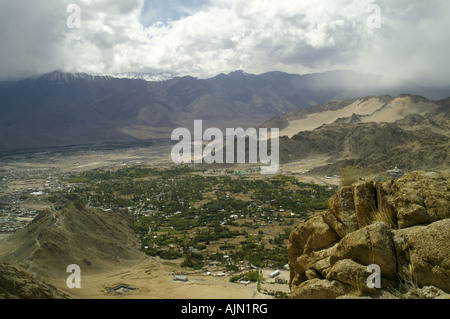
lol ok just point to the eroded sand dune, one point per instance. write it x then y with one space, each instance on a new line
369 110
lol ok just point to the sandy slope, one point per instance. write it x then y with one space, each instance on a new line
399 108
372 110
153 280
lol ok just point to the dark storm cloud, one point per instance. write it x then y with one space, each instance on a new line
29 35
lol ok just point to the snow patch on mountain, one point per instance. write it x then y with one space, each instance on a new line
149 77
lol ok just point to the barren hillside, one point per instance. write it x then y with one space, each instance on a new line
96 240
409 132
362 110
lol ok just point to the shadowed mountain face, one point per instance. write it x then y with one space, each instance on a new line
59 109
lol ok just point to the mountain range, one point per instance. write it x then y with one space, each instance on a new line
379 133
61 109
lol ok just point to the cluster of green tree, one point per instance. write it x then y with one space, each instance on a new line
302 198
255 253
163 253
281 237
215 233
174 190
125 173
170 198
193 260
168 190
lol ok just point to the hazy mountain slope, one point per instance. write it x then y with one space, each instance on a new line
59 108
65 109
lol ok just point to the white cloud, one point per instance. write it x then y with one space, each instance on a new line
256 34
206 37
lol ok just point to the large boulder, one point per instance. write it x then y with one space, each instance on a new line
419 198
318 289
424 254
314 234
365 201
342 206
402 226
370 245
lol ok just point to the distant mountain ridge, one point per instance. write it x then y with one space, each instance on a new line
60 108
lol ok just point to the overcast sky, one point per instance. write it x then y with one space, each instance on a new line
203 38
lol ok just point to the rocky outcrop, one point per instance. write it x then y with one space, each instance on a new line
401 226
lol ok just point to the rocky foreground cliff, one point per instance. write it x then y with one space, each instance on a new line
401 226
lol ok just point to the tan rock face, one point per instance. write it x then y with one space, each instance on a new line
425 252
318 289
365 201
420 198
311 237
342 206
329 252
369 245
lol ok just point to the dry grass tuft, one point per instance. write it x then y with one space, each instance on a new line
407 284
352 174
383 215
357 289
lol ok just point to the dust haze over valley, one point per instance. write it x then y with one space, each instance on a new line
360 95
